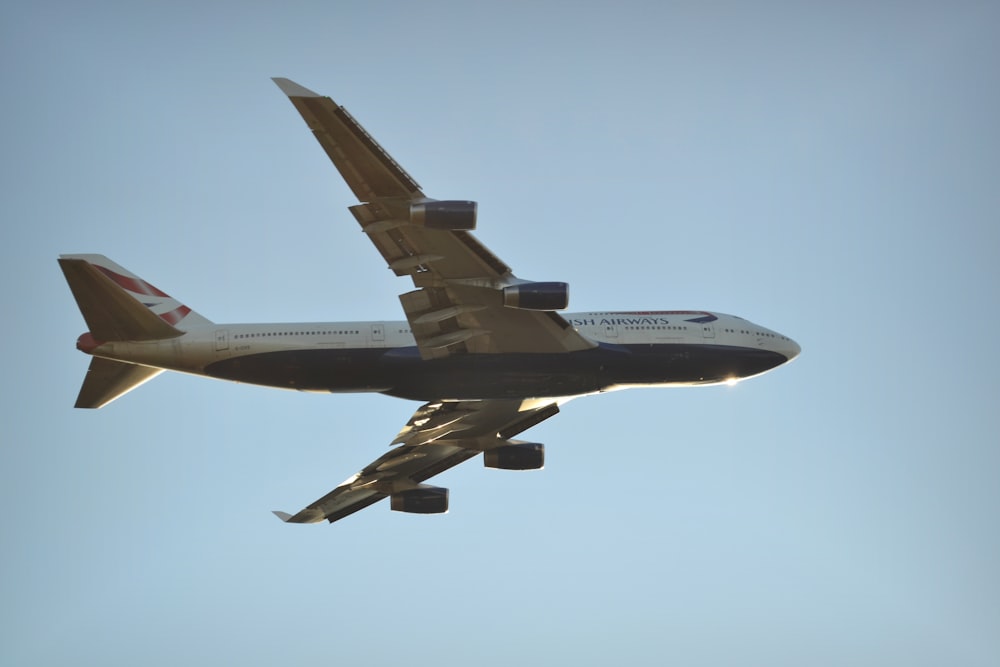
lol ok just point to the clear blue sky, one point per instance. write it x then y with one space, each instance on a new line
831 173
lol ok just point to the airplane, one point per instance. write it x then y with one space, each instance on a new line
487 353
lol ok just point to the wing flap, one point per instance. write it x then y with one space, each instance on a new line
470 319
465 257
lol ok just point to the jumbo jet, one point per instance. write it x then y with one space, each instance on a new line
487 353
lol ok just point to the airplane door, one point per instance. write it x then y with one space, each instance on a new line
611 330
707 331
221 340
378 333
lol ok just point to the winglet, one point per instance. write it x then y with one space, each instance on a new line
308 515
292 89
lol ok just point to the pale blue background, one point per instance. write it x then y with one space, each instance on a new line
831 173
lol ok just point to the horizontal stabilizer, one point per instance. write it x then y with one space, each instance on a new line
107 379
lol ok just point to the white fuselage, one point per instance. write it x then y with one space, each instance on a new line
692 347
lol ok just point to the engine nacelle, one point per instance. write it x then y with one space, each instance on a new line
422 500
537 296
516 456
453 215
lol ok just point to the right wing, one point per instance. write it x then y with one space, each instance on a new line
460 305
437 437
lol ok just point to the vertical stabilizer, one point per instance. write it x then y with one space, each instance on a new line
119 305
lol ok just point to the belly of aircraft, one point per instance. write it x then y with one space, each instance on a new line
401 372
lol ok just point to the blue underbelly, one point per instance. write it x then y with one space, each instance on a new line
401 372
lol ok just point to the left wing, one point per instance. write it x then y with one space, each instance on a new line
437 437
467 300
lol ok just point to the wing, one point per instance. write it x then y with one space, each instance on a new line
467 300
438 436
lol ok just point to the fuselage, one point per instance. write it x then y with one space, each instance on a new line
642 348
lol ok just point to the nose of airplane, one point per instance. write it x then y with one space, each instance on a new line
789 348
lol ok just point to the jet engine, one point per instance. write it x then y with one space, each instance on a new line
453 215
515 456
537 296
422 500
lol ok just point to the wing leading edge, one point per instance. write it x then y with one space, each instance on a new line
438 436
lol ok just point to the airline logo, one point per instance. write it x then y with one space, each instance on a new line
141 291
645 318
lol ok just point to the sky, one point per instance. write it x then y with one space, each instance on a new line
829 172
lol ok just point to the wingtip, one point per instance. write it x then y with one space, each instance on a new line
305 516
292 89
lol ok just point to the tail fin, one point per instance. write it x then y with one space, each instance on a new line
119 306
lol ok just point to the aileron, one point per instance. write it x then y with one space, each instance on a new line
366 167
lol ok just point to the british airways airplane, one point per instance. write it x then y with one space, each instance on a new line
485 351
